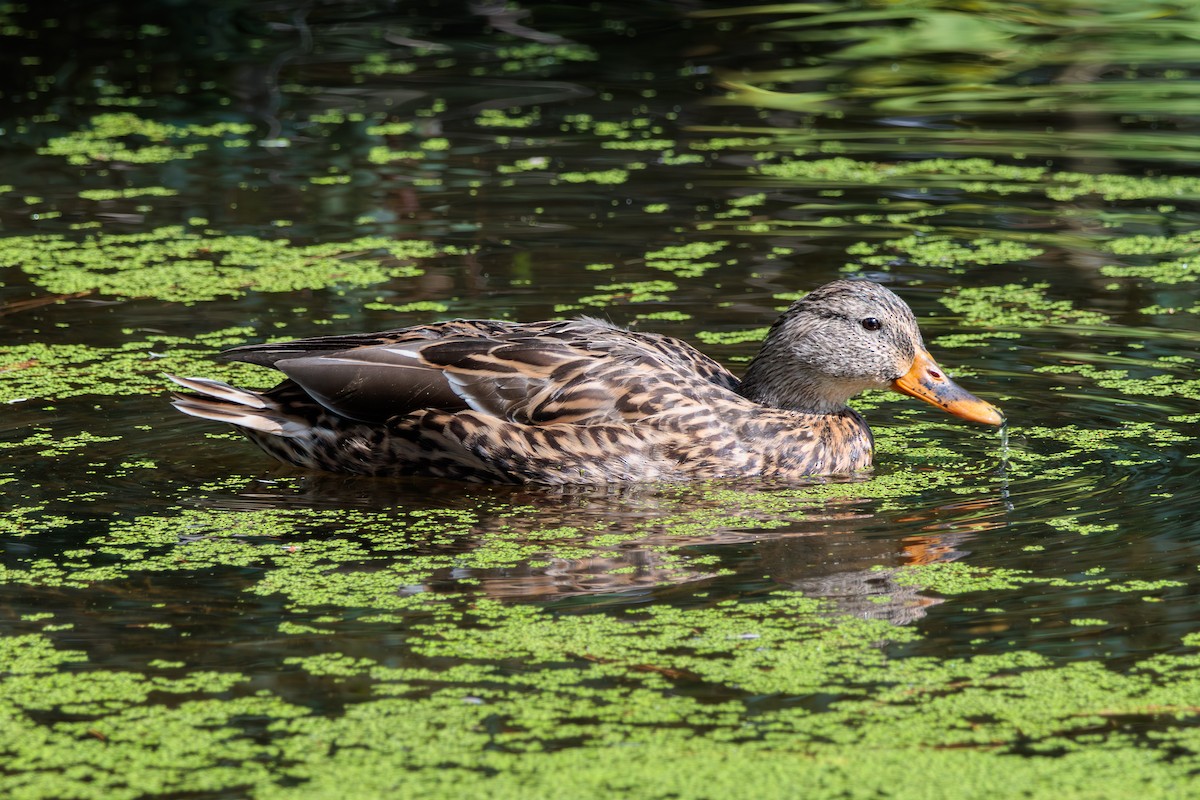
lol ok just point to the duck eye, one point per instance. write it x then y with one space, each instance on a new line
872 324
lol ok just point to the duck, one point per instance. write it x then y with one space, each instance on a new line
583 401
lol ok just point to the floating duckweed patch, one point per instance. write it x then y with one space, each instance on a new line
106 740
378 64
665 316
607 177
21 521
48 446
497 118
531 164
1015 306
34 653
748 200
980 175
1180 270
732 337
1122 187
1167 380
940 251
61 371
329 180
101 195
973 339
175 264
632 292
386 155
393 128
639 144
956 578
124 136
535 54
432 306
1070 450
686 260
797 695
848 170
1142 244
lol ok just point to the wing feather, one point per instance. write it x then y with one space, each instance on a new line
580 371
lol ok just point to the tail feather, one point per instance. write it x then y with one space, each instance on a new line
219 390
221 402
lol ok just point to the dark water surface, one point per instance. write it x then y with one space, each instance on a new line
179 617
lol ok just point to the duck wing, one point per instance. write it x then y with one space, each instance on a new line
578 372
267 353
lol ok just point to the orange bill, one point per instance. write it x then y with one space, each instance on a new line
928 382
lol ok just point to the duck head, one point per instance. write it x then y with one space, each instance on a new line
843 338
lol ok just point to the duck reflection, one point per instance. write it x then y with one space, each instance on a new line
666 542
854 566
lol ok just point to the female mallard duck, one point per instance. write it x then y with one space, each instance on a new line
583 401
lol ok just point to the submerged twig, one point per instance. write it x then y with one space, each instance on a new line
38 302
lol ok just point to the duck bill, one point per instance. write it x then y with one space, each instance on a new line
926 381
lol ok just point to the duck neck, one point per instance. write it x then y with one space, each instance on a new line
775 380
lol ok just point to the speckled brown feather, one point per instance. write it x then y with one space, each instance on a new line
579 401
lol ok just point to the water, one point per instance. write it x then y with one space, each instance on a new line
1022 177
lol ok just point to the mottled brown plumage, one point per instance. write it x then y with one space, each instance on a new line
583 401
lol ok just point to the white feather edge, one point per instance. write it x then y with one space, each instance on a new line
220 402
